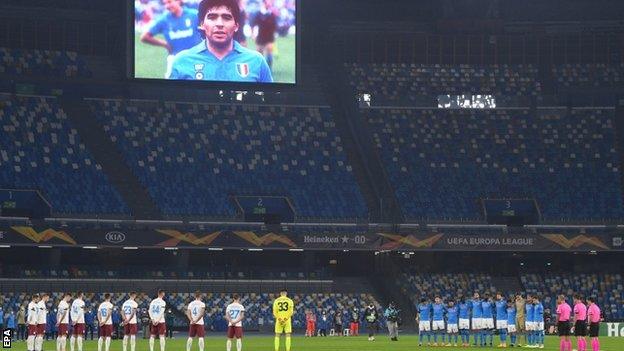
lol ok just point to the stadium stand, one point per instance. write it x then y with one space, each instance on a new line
192 157
43 63
588 75
156 272
391 82
40 150
606 287
447 286
456 157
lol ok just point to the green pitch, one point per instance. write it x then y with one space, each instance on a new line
265 343
150 61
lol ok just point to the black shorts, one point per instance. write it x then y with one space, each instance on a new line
580 328
563 328
594 329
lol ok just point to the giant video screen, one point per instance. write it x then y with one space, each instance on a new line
243 41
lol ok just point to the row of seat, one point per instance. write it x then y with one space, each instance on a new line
39 149
442 162
193 157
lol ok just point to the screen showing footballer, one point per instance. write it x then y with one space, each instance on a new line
251 41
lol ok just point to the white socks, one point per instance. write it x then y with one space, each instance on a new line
132 342
39 343
200 342
30 342
124 343
228 345
61 343
72 341
189 344
106 341
79 339
162 343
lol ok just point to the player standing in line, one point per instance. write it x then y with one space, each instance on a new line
530 328
437 326
487 321
477 318
158 327
178 26
234 314
129 310
78 321
594 317
283 309
195 313
464 321
580 322
105 322
520 316
511 321
563 323
62 323
424 321
501 319
538 314
42 319
31 320
452 321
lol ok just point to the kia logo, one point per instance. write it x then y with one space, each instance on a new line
115 237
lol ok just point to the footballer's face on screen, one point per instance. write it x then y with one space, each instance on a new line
173 6
219 26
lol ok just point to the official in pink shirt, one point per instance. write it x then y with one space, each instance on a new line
580 323
593 314
563 323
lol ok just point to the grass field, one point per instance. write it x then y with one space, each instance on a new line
265 343
150 61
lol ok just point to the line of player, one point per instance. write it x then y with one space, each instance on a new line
72 314
511 317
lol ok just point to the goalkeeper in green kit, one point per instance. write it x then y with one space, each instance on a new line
372 321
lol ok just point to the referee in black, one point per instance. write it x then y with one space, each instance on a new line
563 322
580 321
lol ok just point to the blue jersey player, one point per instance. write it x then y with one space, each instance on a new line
437 325
464 321
487 324
477 317
178 26
538 319
219 57
530 324
452 322
501 319
424 321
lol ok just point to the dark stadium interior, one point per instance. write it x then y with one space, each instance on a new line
428 148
